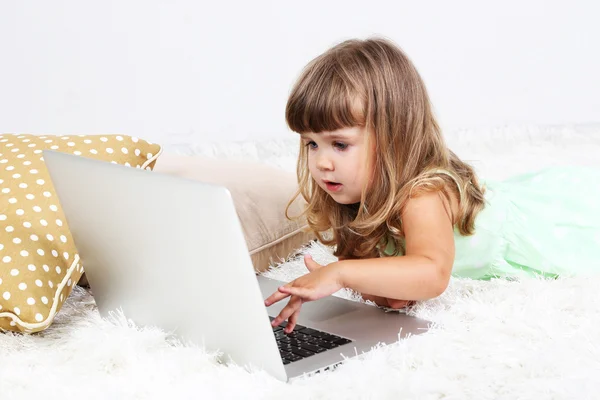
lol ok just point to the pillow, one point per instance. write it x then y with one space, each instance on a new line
260 194
39 263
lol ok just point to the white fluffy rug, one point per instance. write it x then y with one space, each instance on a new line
532 339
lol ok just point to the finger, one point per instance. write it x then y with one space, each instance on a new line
291 307
292 321
397 304
303 293
284 313
311 264
275 297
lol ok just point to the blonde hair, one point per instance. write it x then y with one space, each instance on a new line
372 83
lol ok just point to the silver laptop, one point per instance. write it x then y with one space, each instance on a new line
170 252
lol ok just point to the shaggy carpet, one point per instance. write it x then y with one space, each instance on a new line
529 339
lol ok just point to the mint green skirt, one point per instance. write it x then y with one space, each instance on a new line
545 223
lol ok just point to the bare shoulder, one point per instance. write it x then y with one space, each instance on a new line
428 225
434 199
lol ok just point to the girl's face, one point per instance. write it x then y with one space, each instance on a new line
337 162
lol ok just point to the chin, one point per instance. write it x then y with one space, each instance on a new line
341 199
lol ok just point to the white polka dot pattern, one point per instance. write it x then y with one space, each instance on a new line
38 261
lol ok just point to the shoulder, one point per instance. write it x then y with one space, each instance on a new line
428 226
421 202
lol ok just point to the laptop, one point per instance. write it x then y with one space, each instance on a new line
170 252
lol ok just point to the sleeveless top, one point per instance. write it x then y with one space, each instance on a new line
543 223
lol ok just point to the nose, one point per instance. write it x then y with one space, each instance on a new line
324 163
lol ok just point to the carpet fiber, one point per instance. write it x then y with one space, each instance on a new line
531 339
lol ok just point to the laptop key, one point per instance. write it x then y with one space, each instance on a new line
304 338
298 335
293 357
330 338
302 352
280 335
325 345
284 354
341 341
318 334
308 331
312 347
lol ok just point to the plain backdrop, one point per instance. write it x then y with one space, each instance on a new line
191 71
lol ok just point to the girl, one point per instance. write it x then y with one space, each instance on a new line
404 211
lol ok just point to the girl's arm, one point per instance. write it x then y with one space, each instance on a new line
421 274
424 272
379 300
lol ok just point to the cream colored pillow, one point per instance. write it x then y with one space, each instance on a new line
260 194
39 263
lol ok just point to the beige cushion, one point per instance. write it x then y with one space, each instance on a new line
260 194
39 263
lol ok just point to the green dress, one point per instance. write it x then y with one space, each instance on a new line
545 223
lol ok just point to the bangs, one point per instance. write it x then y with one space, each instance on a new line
323 100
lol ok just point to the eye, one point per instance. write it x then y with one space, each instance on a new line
340 145
311 145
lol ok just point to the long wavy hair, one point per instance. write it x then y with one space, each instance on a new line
371 83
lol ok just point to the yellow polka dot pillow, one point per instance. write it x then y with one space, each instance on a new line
39 263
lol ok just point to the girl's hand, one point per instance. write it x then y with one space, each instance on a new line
398 304
321 281
389 303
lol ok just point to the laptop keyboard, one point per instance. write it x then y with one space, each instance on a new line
304 342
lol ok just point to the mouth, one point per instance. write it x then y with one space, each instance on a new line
333 186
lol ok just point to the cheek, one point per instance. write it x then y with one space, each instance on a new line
363 174
310 163
312 167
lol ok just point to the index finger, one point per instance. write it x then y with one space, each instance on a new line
275 297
